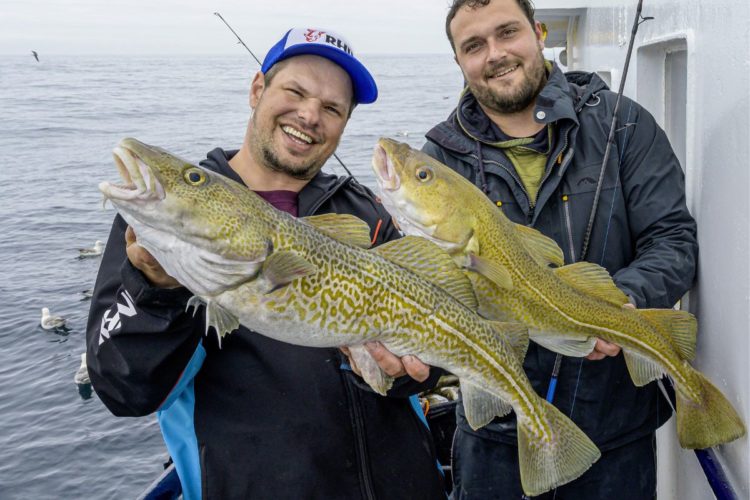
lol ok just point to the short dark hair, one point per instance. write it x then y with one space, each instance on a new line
526 6
268 77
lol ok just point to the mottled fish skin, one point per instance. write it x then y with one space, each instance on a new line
566 308
287 279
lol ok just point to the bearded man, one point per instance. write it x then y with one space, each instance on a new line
255 417
533 140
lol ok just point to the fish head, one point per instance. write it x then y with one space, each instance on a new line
423 195
202 227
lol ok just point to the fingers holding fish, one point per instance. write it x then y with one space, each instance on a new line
146 263
603 349
395 366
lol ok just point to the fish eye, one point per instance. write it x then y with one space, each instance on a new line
424 174
194 176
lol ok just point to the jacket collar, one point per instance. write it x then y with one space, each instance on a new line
555 101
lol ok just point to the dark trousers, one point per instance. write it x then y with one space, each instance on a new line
484 469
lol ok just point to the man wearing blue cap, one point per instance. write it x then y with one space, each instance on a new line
258 418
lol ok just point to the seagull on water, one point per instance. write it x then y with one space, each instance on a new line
96 251
50 322
82 375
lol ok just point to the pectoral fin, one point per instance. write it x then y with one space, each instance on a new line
481 406
281 268
543 249
371 372
497 273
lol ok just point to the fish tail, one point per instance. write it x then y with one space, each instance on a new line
708 422
556 459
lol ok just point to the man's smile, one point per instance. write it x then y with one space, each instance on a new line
297 135
502 72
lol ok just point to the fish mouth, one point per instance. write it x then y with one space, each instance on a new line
141 184
385 172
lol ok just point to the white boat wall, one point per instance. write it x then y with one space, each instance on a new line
691 68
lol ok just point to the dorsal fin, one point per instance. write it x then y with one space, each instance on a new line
515 334
593 280
543 249
681 325
432 263
345 228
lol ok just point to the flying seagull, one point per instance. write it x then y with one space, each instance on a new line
36 56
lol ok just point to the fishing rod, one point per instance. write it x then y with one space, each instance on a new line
261 64
707 458
639 19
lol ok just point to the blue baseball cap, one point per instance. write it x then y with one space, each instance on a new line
332 46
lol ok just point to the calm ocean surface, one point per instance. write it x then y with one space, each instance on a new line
59 121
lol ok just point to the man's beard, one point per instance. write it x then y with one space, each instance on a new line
264 144
518 99
304 172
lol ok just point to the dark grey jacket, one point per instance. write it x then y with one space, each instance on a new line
643 233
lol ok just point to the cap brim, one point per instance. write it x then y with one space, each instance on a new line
365 89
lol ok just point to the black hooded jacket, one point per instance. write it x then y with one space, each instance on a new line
256 418
643 233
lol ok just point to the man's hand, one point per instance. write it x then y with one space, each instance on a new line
392 364
146 263
602 349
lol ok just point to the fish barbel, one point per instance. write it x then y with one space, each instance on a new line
313 282
566 307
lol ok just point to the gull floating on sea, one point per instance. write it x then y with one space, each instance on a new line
50 322
82 375
91 252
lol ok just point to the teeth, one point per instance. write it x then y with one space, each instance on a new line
503 73
296 133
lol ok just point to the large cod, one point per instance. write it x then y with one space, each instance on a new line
566 307
312 282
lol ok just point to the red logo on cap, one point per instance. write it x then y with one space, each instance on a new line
313 35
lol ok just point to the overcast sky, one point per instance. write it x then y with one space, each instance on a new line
189 26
